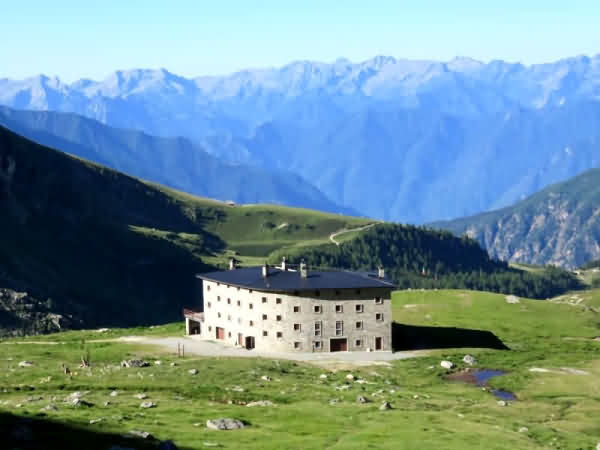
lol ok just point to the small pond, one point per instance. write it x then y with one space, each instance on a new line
480 377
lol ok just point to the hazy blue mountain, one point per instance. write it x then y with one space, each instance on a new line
175 162
558 225
396 139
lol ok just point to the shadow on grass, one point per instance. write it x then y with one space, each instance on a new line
414 337
36 433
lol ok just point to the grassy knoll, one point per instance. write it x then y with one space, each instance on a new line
559 408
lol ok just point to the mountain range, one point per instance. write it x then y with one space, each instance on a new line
174 162
413 141
559 225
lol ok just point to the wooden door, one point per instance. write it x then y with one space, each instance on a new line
378 343
220 333
249 342
240 339
338 345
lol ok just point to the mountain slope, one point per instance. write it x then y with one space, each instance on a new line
558 225
174 162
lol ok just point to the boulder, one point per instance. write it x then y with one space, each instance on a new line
502 403
224 424
114 393
193 371
385 406
512 299
523 430
265 378
147 405
447 364
25 364
261 403
134 363
323 376
158 363
95 421
470 360
141 434
141 396
361 399
350 377
81 402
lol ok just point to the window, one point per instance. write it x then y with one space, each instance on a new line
228 317
296 309
297 327
218 284
279 335
264 299
317 309
317 293
251 323
278 301
278 318
359 308
208 304
379 317
317 344
339 328
239 303
359 325
265 333
339 308
250 291
238 288
229 301
250 306
239 320
228 286
378 301
209 328
218 314
229 334
208 287
358 343
296 345
218 298
264 317
317 328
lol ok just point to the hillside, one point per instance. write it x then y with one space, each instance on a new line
385 136
559 225
174 162
83 245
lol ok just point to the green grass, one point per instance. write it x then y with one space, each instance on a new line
559 409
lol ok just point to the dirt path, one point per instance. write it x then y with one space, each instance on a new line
198 347
332 236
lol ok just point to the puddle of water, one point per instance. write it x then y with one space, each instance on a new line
480 377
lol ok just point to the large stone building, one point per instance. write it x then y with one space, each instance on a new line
291 309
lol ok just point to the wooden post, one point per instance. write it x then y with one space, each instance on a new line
183 350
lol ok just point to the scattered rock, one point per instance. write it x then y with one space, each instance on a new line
158 363
323 376
106 403
211 444
114 393
173 364
141 396
141 434
95 421
261 403
343 387
385 406
334 401
350 377
147 405
361 399
237 389
265 378
470 360
539 369
416 396
502 403
361 381
224 424
447 364
73 396
81 402
523 430
193 371
49 408
25 364
512 299
574 371
134 363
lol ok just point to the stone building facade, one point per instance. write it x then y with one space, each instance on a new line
281 309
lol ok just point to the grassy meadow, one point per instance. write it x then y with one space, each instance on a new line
557 406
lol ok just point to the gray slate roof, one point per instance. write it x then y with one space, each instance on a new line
289 281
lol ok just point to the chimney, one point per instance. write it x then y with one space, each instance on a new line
380 272
265 270
283 266
231 264
303 270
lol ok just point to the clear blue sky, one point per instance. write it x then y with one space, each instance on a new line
72 39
